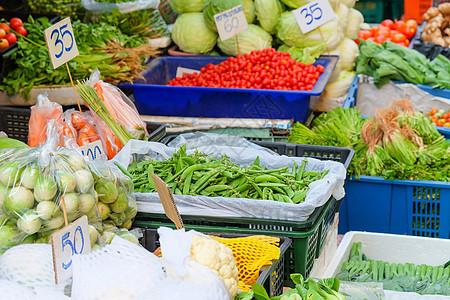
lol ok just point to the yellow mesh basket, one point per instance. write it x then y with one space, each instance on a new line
251 254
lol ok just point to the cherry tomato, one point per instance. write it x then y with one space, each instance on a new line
364 34
412 23
4 44
2 33
398 38
399 25
380 39
12 38
15 23
434 111
22 31
5 27
384 32
388 23
409 32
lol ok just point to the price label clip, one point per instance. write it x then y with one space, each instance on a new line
72 239
230 23
62 47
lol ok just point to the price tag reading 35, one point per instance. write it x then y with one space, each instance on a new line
231 22
313 15
73 239
61 42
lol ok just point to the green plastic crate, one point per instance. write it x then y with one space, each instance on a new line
307 237
373 11
394 9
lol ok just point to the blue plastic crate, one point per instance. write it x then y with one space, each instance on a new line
352 98
153 97
412 207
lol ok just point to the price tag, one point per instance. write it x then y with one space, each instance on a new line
61 42
183 71
231 22
72 239
93 150
313 15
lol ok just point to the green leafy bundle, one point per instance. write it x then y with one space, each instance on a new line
397 144
393 62
407 277
119 57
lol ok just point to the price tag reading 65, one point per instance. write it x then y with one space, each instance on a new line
73 239
61 42
313 15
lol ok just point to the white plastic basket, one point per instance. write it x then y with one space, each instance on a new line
391 248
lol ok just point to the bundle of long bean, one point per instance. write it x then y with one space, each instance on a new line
200 174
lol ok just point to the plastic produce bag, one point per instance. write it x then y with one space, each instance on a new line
65 8
33 183
362 290
115 193
119 105
242 153
140 17
43 111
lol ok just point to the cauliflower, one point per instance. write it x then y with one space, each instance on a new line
217 257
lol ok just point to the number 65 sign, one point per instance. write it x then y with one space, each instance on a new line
61 42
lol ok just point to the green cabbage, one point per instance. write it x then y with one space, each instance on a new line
249 11
355 20
349 52
342 13
213 7
299 3
185 6
289 32
268 12
254 38
305 55
191 34
339 87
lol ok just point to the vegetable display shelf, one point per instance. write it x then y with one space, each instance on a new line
154 97
14 122
270 277
308 237
352 99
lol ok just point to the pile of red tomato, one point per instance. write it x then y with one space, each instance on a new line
7 35
398 32
440 117
260 69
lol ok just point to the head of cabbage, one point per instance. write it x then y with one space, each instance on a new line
306 55
213 7
249 10
289 32
191 34
268 12
299 3
184 6
254 38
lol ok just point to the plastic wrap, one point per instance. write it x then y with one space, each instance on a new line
115 194
242 153
43 111
140 17
120 106
33 184
362 290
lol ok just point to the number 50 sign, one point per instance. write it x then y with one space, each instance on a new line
61 42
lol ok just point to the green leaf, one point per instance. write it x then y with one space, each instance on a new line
259 292
297 278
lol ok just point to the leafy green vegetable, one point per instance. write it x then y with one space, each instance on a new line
305 55
392 62
267 13
213 7
192 35
184 6
254 38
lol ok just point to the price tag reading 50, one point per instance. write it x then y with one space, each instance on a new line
313 15
61 42
71 240
231 22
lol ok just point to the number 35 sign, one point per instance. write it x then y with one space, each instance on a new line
61 42
313 15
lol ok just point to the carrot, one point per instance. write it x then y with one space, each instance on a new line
78 121
67 131
83 139
40 114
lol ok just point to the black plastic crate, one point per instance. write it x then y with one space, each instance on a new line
270 277
14 122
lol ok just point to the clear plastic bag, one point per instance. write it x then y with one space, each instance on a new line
33 184
120 106
362 290
43 111
141 17
115 194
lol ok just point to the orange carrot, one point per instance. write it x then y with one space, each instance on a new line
43 111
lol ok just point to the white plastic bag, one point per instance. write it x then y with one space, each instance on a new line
242 153
123 7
